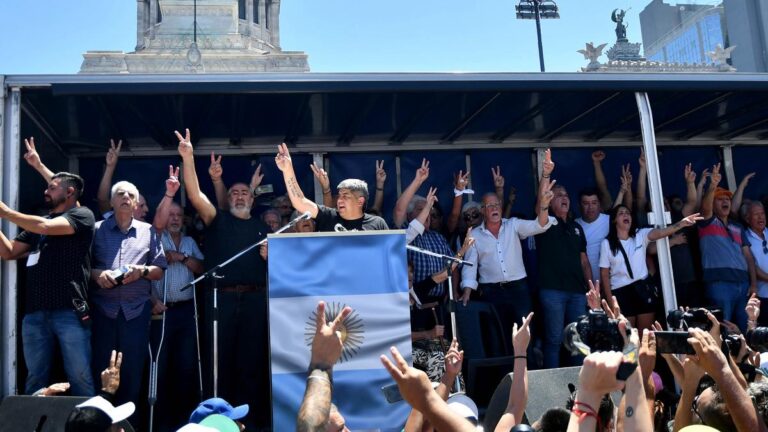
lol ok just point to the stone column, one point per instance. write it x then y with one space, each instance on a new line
274 23
248 16
152 18
263 17
141 23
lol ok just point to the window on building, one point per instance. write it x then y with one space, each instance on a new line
159 13
256 11
241 9
268 9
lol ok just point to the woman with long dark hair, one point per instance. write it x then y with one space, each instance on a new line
623 270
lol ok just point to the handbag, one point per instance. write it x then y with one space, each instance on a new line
646 289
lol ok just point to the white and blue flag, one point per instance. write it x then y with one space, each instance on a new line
364 270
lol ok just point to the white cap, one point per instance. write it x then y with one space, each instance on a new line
117 414
194 427
462 405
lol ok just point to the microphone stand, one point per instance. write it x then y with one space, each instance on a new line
449 262
214 276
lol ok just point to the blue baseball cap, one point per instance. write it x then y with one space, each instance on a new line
217 406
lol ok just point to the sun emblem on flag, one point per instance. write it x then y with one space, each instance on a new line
352 329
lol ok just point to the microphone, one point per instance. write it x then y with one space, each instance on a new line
304 216
339 228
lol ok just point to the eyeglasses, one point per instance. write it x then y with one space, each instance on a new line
492 206
695 408
471 215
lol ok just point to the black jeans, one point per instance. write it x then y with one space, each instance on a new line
512 301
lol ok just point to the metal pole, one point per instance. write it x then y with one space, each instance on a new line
657 199
538 32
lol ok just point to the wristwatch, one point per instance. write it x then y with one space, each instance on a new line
145 272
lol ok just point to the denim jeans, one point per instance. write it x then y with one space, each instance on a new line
39 330
731 297
559 308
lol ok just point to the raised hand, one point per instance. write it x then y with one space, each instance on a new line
626 178
709 356
414 384
283 158
545 192
548 166
185 144
215 170
593 295
498 179
460 180
110 377
256 178
521 336
172 184
690 174
381 175
715 176
114 152
31 156
327 343
705 174
747 178
598 156
753 308
468 242
321 176
690 220
431 197
647 354
453 360
55 389
422 174
598 374
641 159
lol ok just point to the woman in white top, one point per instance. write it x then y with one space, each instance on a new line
626 244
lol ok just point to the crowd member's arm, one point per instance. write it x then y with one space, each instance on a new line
675 365
692 374
602 185
498 184
216 171
637 415
298 200
53 389
518 391
326 351
36 224
105 186
691 203
545 193
416 389
710 357
738 196
511 198
647 362
751 269
325 185
33 159
705 174
596 378
110 377
401 206
753 311
642 184
453 361
459 184
199 201
171 187
687 221
381 179
625 192
707 202
417 226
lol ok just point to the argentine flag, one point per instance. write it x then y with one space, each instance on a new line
365 270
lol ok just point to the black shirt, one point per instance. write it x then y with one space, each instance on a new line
559 252
327 218
424 319
64 263
226 236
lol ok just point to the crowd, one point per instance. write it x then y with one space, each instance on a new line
117 284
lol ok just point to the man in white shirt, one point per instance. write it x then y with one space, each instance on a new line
754 215
498 270
595 224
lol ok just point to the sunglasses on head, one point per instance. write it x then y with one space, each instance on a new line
471 215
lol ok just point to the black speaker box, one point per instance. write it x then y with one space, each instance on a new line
40 414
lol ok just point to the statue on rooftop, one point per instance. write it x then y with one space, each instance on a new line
617 16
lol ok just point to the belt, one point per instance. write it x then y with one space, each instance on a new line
242 288
178 303
496 284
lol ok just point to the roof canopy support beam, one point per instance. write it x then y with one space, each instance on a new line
459 129
557 131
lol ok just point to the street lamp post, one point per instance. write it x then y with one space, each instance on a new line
538 10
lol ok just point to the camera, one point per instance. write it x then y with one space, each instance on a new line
692 318
757 339
595 330
734 343
119 274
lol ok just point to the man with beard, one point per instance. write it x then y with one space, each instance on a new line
58 268
754 214
729 270
562 253
177 376
243 348
350 204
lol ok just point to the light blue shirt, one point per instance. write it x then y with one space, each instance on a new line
761 258
177 275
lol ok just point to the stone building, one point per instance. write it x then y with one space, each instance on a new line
202 36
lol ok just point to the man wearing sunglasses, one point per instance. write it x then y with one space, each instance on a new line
754 215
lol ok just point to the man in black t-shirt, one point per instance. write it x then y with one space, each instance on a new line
349 214
58 268
243 349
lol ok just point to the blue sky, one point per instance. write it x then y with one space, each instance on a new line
49 36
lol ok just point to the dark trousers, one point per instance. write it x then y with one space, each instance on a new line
512 301
130 338
243 351
178 385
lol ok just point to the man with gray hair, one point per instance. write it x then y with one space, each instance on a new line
349 214
753 213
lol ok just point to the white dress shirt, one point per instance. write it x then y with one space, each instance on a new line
761 258
499 259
